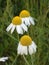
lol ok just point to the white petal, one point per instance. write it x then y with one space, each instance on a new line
22 49
9 27
13 27
34 45
31 20
3 59
32 48
19 30
27 22
24 27
19 49
23 19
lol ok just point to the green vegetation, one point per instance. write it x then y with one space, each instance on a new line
39 9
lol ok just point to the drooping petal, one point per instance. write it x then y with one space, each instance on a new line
3 59
31 20
23 20
24 27
19 30
13 27
22 49
19 49
32 48
9 27
27 21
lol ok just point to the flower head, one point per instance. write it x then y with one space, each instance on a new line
26 45
24 13
17 23
26 18
16 20
25 40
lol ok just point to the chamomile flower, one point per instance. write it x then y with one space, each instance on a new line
26 45
26 18
17 23
3 59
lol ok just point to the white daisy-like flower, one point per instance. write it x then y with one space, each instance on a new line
17 23
3 59
26 45
26 18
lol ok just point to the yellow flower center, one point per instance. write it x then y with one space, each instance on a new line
16 20
26 40
24 13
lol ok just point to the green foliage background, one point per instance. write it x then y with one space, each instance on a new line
39 9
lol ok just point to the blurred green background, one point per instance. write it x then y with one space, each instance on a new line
39 9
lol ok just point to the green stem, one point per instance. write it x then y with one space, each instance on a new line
32 60
11 36
27 4
15 60
26 60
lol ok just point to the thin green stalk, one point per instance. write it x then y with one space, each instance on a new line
34 1
32 60
31 5
18 37
15 60
26 60
41 7
11 36
27 4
